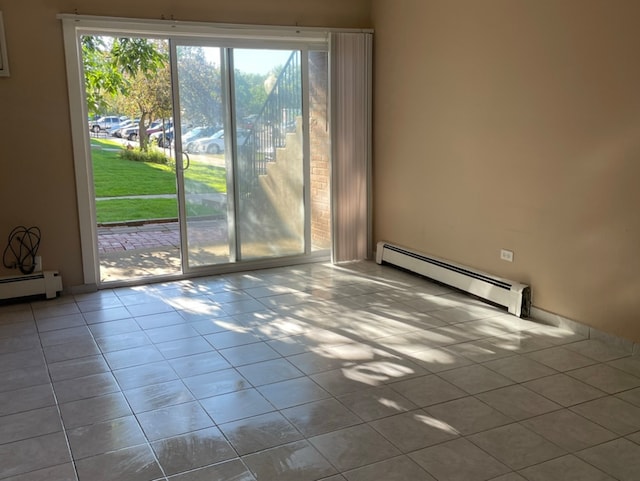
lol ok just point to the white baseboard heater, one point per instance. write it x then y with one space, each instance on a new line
48 283
514 296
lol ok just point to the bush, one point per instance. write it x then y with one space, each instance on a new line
137 155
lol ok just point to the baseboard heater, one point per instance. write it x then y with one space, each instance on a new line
48 283
514 296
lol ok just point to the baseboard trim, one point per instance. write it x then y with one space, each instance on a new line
81 289
587 331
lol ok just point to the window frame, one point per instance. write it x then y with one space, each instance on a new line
225 35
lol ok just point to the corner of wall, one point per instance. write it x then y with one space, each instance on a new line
592 333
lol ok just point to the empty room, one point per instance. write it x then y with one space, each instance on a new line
320 240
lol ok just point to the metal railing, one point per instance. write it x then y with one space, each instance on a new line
258 143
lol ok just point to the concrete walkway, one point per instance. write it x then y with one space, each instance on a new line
144 234
131 237
156 235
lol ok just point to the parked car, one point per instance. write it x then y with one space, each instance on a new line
209 145
107 123
157 126
194 134
162 138
117 131
131 132
215 143
249 121
165 139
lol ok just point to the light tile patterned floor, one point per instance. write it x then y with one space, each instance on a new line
316 372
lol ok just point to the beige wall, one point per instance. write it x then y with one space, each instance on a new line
516 124
37 185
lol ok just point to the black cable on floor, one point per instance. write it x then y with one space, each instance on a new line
23 243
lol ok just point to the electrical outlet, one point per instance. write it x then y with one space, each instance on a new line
38 267
506 255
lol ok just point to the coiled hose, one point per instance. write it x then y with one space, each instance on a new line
23 244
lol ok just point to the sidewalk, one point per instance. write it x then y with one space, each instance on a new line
144 250
158 235
145 236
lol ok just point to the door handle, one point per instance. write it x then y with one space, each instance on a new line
188 164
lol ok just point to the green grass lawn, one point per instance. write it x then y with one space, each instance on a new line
116 177
204 178
120 210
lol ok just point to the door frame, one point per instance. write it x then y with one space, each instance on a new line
232 35
227 71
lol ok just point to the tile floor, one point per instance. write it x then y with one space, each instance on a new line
352 373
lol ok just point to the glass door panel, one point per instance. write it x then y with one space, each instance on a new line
203 172
269 174
240 156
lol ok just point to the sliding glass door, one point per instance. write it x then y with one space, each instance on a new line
239 120
240 153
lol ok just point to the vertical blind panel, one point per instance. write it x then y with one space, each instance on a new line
351 145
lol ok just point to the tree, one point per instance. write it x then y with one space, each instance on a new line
251 93
148 90
148 98
200 87
127 68
102 78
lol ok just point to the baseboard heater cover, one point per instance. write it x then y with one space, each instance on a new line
516 297
48 283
